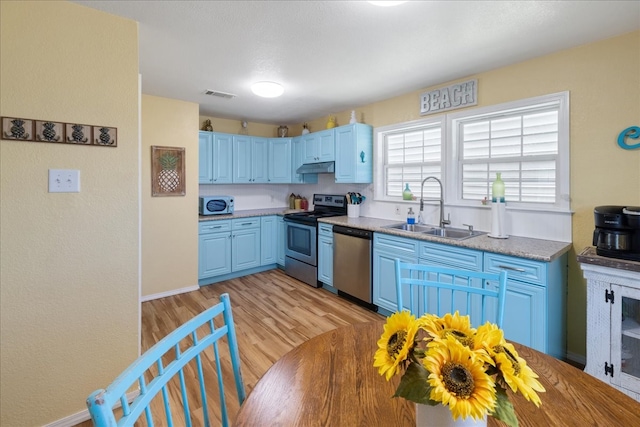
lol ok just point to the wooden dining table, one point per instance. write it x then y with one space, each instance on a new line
330 380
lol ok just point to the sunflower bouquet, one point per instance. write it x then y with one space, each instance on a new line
446 361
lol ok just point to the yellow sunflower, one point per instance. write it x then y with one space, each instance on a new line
458 379
395 343
487 337
450 324
516 373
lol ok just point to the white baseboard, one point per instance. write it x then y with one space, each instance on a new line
82 416
169 293
578 358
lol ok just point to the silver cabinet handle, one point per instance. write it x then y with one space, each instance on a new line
507 267
246 223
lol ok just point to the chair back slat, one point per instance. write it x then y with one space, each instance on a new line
439 290
164 378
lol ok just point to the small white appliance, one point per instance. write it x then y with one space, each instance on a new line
216 205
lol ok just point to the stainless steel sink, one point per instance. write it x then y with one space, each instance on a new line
454 233
447 232
415 228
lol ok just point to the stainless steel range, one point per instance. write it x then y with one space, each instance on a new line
301 245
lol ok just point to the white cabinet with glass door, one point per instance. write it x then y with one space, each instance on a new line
613 326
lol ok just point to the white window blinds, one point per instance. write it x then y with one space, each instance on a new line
521 144
411 155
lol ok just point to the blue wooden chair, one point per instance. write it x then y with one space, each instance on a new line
176 367
428 289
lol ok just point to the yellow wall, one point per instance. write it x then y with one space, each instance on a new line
234 126
603 79
169 224
69 262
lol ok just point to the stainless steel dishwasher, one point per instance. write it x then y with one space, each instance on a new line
352 263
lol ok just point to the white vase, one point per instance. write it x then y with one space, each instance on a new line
440 416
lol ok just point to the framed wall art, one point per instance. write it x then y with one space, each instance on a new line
167 171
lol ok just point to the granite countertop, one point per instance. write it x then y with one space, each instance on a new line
523 247
589 256
248 213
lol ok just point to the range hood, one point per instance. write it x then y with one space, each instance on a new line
322 167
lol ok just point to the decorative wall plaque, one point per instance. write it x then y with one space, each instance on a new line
20 129
450 97
17 129
167 171
49 131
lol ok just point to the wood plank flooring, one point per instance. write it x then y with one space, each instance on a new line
273 313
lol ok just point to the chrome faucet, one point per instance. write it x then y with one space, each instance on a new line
443 222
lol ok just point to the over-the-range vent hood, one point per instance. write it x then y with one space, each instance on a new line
322 167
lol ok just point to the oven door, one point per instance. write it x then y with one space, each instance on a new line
300 242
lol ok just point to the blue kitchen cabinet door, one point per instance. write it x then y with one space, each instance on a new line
327 141
386 249
242 173
319 146
280 236
325 253
222 152
268 240
525 319
297 160
353 154
279 160
250 157
259 160
214 254
205 158
245 249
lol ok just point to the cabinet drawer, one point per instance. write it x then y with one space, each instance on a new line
396 245
445 255
242 223
206 227
525 270
325 229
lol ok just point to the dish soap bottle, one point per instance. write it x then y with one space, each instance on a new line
411 217
407 194
497 189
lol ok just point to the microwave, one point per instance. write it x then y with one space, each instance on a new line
216 205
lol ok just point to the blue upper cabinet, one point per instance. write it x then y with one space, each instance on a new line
222 158
205 158
279 163
297 159
353 154
319 146
250 159
260 159
215 158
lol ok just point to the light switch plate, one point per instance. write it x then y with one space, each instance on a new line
64 181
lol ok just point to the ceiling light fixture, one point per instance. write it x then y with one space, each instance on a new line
386 3
267 89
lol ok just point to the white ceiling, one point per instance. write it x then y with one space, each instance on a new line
333 56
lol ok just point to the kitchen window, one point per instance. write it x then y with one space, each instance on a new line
412 152
527 141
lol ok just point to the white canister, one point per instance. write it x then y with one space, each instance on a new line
353 211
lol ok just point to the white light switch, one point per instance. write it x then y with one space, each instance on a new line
64 181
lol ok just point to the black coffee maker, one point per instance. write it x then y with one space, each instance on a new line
617 233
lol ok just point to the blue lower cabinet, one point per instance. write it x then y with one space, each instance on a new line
214 248
245 245
535 306
325 253
268 240
280 236
386 248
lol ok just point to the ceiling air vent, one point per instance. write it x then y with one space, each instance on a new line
219 94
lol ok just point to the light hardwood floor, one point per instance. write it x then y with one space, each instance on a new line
273 313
